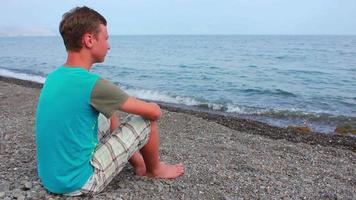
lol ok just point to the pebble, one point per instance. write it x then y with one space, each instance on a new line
42 194
136 187
37 187
2 194
225 197
16 193
4 186
28 185
31 194
21 197
110 196
159 186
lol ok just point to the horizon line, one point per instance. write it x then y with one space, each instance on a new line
193 34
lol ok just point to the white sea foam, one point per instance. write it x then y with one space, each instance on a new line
188 101
162 96
22 76
233 108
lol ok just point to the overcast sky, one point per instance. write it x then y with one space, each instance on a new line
127 17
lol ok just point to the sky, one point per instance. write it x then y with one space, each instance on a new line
161 17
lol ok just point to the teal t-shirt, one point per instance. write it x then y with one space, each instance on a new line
66 129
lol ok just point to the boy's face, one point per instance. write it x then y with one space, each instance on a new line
101 45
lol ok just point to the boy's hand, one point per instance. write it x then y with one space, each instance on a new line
157 110
147 110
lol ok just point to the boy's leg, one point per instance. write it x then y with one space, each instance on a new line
149 162
114 151
138 164
117 148
136 159
150 152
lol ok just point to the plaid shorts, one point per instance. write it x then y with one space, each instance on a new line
114 151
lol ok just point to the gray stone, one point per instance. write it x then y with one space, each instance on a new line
226 197
21 197
16 193
42 194
110 196
30 194
37 187
136 187
28 185
4 186
2 194
160 187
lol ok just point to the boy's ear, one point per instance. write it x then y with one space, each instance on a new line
88 40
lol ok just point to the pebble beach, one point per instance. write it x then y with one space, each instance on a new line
224 158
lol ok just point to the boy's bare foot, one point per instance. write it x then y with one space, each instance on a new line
140 170
167 171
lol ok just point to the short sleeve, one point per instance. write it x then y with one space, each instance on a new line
106 97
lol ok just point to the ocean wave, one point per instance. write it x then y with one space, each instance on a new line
22 75
224 107
184 66
167 97
281 57
235 109
277 92
161 96
318 121
351 69
308 72
252 66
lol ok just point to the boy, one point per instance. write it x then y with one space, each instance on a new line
78 150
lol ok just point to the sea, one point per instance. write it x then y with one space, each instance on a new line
282 80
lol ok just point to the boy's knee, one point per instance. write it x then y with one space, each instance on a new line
141 126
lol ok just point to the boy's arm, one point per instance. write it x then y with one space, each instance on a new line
106 98
135 106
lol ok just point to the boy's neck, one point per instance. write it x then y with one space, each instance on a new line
79 59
